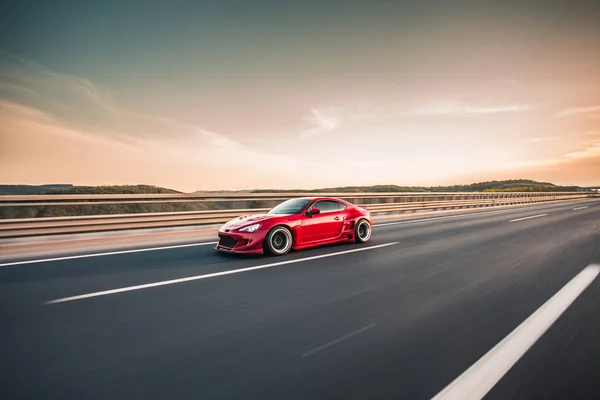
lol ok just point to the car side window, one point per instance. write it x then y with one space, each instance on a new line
327 206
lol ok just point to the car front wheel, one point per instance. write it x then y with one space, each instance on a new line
278 241
362 231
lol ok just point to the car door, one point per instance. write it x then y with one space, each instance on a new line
325 225
339 219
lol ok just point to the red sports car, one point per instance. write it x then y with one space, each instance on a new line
296 224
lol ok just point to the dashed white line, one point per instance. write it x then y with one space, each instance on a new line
448 217
208 243
436 218
110 253
524 218
481 377
510 210
213 275
336 341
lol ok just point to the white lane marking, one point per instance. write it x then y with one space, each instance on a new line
447 217
206 276
435 218
481 377
336 341
178 246
580 208
524 218
207 243
514 209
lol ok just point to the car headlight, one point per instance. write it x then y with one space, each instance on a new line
250 228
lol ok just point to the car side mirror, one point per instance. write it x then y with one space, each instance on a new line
314 211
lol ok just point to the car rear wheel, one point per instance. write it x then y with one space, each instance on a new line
362 231
278 241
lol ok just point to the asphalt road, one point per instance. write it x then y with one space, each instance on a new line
398 321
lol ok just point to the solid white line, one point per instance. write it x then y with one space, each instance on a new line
326 345
207 243
479 379
178 246
524 218
213 275
580 208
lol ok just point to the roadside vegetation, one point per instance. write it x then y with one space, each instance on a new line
104 209
515 185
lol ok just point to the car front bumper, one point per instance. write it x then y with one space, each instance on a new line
242 243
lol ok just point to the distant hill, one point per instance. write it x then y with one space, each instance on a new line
101 209
125 189
222 191
20 190
513 185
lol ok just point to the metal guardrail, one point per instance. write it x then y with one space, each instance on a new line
377 203
86 199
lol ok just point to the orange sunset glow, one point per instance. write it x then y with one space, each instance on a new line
225 95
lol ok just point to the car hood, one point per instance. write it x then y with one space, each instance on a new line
248 219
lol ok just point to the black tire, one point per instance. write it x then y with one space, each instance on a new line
278 241
362 231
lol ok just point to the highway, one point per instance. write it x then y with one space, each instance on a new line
400 317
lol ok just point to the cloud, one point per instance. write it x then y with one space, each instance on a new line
9 108
323 120
35 148
361 116
587 133
538 139
32 92
77 115
590 150
458 108
569 112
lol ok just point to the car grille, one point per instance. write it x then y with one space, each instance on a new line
227 241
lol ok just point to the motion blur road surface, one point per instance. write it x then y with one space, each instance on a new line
398 321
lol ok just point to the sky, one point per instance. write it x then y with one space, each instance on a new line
230 95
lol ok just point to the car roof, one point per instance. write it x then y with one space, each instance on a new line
314 198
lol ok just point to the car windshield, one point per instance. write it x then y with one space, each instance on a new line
293 206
